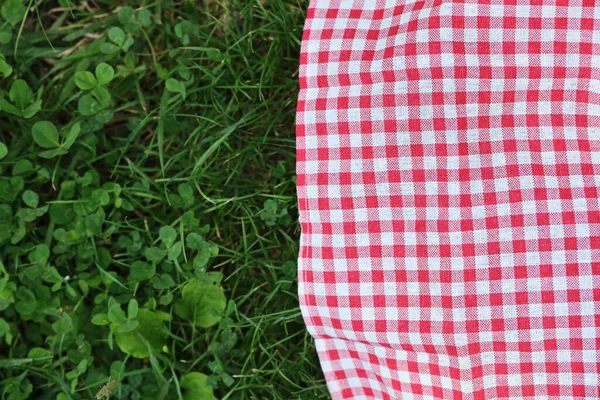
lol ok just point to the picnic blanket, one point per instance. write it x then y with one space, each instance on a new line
448 174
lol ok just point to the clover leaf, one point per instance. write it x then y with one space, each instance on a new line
47 136
5 68
202 303
22 100
175 86
117 41
195 387
3 150
147 336
13 11
168 235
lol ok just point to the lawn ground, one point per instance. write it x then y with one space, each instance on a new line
148 219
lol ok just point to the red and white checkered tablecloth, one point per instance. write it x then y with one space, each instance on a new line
448 172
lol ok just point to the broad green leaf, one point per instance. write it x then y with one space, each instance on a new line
116 314
109 48
162 281
128 43
114 187
71 136
104 73
174 85
270 206
141 270
116 35
195 241
211 277
203 257
20 94
31 198
40 255
13 11
62 213
38 352
101 94
83 286
93 223
228 337
100 319
88 105
216 366
104 116
214 54
62 326
104 260
143 17
22 166
85 80
101 196
19 234
163 315
166 299
8 107
202 304
6 215
128 326
168 235
187 193
150 330
25 307
185 30
175 251
30 214
5 68
45 134
154 254
4 327
32 109
53 153
51 275
3 150
194 387
227 379
127 17
189 221
132 309
87 179
5 34
117 368
82 366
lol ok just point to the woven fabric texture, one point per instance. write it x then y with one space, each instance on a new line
448 173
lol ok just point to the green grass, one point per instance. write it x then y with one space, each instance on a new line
194 132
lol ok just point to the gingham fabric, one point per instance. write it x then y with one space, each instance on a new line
448 172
